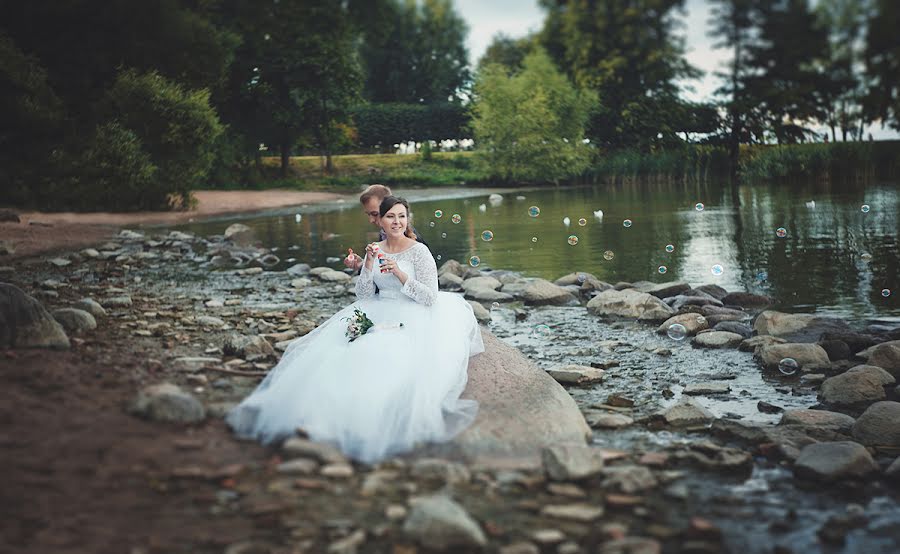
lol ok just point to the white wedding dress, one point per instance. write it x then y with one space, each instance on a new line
389 390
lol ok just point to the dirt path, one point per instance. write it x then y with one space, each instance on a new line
44 233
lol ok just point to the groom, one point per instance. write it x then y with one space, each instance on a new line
371 202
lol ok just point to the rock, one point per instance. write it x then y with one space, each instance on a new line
751 344
335 276
629 478
297 447
631 545
249 348
194 363
25 323
714 291
818 418
577 278
488 295
440 470
571 463
540 292
692 323
75 321
630 303
450 281
715 387
856 388
830 461
209 321
797 327
806 355
687 412
767 408
609 421
482 314
340 470
747 300
893 471
836 349
717 339
574 374
741 329
167 402
680 301
879 425
349 544
452 266
440 523
59 262
856 341
481 283
123 301
9 216
521 547
300 283
6 248
239 234
576 512
664 290
298 270
887 356
300 466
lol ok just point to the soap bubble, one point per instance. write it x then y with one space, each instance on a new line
762 276
573 240
662 269
541 331
676 331
431 224
885 292
534 239
495 306
701 321
609 255
626 223
474 261
443 235
670 248
866 257
581 277
438 214
781 232
865 208
455 218
788 366
582 222
439 256
699 206
298 218
487 235
534 211
717 270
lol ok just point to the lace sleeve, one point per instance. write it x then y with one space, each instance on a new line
423 289
365 285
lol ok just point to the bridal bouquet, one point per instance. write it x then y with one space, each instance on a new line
358 324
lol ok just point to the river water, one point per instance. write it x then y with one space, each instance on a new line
838 256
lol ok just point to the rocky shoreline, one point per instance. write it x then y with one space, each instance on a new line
206 337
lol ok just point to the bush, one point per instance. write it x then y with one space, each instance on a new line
383 125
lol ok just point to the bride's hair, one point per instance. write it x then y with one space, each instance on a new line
391 201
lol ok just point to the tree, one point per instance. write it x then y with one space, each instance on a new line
507 51
882 58
625 51
530 126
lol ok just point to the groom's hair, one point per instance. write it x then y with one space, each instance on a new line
374 191
391 201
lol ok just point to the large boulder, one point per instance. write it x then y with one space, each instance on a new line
797 327
437 522
572 462
631 304
166 402
540 292
693 323
887 356
806 355
818 418
829 461
715 291
855 388
24 323
521 410
717 339
75 321
665 290
879 425
747 300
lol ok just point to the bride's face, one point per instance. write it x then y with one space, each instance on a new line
394 221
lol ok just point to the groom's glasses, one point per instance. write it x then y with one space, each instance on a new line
373 214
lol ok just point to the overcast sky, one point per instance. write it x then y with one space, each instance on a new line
517 18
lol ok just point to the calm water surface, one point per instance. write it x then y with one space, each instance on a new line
834 258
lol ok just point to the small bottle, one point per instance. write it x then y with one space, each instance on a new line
380 255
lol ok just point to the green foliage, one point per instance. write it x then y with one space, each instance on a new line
177 127
383 125
507 51
842 160
530 126
882 57
688 163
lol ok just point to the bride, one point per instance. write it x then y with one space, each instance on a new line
390 389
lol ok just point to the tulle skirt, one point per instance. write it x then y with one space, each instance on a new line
382 394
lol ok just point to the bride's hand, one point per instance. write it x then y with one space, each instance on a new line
370 255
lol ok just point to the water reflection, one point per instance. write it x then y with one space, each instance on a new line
818 265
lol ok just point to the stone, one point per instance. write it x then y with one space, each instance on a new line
609 421
300 466
631 545
576 512
879 425
806 355
339 470
571 463
687 412
440 523
452 266
481 283
751 344
450 281
297 447
482 314
75 321
335 276
298 270
855 388
836 349
629 479
573 374
691 299
25 323
576 278
715 387
167 402
747 300
239 233
830 461
209 321
440 470
349 544
887 356
9 216
521 547
692 323
630 303
741 329
818 418
893 471
123 301
665 290
59 262
715 291
717 339
540 292
194 363
250 348
487 295
797 327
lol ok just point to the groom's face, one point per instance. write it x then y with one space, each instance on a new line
371 208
